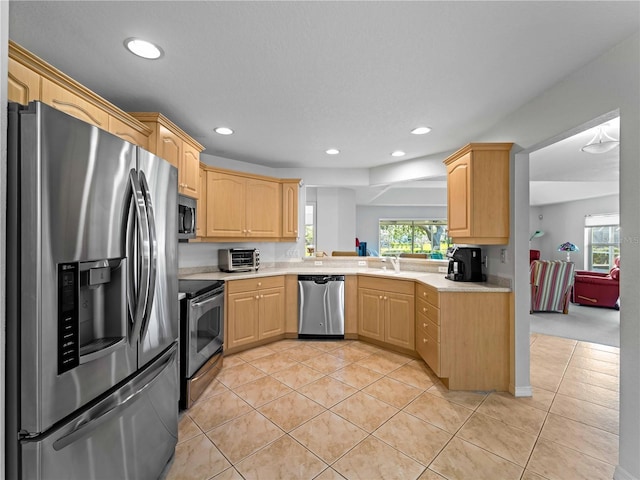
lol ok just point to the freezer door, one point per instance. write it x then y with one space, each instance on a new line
131 434
73 184
160 322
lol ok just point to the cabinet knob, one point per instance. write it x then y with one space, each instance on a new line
385 297
380 297
424 325
424 294
424 309
257 297
424 340
259 284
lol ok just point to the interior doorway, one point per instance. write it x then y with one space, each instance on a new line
522 233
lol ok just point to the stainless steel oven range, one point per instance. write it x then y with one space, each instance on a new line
201 336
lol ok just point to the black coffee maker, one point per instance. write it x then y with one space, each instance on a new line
465 264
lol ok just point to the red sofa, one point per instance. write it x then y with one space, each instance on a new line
598 289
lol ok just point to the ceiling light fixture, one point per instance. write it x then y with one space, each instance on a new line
332 151
143 49
398 153
223 130
420 130
601 143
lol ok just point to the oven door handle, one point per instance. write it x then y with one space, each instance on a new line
205 301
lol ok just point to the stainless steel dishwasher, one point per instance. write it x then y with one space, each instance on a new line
321 306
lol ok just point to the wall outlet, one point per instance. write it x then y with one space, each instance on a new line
503 255
362 263
318 262
442 269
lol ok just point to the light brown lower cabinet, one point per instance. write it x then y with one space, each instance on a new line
386 311
464 337
255 310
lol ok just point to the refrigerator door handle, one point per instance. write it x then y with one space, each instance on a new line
139 387
144 248
153 253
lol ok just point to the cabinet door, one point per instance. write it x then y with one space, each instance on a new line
371 313
263 205
128 133
23 83
169 146
271 312
68 102
399 320
459 197
189 171
201 219
243 313
225 205
290 210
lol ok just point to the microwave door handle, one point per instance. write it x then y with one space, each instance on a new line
193 221
143 247
153 254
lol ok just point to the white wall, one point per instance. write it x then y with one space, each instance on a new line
611 82
368 218
564 222
335 219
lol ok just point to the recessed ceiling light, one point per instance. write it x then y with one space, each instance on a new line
398 153
420 130
143 49
332 151
223 130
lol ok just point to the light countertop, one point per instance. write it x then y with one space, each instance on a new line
436 280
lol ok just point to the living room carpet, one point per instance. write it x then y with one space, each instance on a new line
588 324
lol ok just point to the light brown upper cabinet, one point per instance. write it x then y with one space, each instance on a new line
290 209
241 206
170 142
201 213
478 194
23 83
32 79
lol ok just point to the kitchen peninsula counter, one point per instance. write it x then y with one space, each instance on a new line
435 280
460 329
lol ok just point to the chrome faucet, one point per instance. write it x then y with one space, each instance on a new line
396 263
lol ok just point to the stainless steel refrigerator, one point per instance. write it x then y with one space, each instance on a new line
92 302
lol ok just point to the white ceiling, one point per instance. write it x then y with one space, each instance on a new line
295 78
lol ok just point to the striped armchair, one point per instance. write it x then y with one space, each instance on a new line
551 283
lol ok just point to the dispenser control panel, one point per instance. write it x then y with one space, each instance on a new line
68 313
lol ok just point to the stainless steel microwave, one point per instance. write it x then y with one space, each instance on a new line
186 218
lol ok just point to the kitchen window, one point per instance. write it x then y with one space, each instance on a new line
602 240
414 236
309 229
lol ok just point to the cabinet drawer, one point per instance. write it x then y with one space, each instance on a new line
428 294
428 327
428 310
387 285
429 349
249 284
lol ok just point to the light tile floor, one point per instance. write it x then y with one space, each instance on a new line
331 410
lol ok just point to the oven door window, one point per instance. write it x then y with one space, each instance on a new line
206 330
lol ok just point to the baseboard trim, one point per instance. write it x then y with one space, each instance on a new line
523 391
621 474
